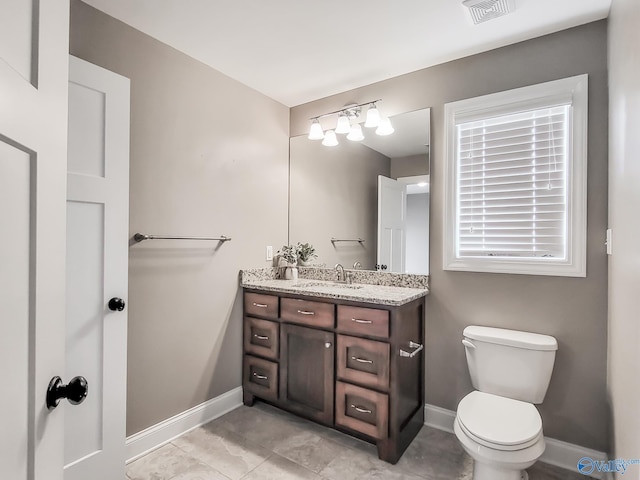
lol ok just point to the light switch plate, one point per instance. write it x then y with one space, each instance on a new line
269 253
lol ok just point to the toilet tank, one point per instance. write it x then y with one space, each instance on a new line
510 363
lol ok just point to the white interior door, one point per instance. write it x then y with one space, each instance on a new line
392 212
97 262
34 40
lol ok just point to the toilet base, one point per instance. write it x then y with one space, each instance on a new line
482 471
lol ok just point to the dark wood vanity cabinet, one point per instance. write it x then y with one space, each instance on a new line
354 366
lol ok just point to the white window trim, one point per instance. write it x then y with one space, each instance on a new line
573 89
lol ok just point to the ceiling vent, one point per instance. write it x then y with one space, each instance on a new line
485 10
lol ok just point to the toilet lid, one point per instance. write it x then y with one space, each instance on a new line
502 422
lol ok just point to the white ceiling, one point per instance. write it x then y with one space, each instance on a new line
296 51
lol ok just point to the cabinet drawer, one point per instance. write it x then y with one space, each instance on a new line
363 321
362 410
261 305
362 361
305 312
261 337
260 377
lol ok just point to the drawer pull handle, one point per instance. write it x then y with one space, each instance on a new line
361 360
261 337
360 409
357 320
306 312
260 377
415 345
260 305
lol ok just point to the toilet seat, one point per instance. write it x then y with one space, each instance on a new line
498 422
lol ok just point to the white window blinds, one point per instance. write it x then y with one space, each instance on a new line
512 184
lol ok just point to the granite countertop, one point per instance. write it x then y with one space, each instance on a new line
355 292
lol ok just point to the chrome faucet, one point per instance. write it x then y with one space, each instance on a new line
340 276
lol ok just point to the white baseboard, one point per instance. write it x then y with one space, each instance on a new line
561 454
162 433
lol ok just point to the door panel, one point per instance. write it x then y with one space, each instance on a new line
392 206
86 115
97 262
33 130
17 18
85 326
15 330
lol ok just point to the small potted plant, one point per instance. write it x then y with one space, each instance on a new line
288 258
306 254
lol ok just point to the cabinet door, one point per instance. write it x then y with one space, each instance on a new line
306 371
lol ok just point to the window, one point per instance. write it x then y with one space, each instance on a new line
516 170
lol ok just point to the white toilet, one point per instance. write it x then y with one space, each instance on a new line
497 424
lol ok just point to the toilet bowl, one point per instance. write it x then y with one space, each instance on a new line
498 424
501 435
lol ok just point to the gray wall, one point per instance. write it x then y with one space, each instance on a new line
624 203
417 234
334 193
209 156
410 166
574 310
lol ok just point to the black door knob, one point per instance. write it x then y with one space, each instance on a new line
116 304
75 391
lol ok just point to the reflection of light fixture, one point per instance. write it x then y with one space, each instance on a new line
315 132
330 139
343 125
423 184
385 127
373 117
348 124
356 133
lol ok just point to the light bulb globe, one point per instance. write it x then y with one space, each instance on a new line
343 125
373 117
315 132
385 127
355 134
330 139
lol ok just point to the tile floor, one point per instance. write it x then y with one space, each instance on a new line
264 443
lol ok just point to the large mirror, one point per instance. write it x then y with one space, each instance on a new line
365 203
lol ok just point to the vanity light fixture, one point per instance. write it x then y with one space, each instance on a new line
348 124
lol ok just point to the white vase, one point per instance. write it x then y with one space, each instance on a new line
291 273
